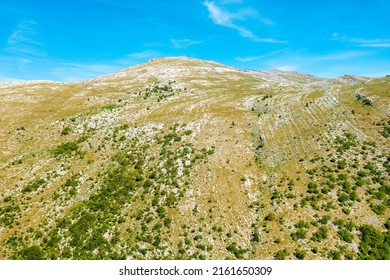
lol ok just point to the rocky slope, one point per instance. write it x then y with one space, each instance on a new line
188 159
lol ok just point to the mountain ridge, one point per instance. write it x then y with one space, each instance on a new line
194 62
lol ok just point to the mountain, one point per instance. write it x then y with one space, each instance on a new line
180 158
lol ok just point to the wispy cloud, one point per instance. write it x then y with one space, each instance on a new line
23 51
380 43
183 43
288 68
136 57
258 57
231 1
228 19
329 64
248 58
22 42
339 56
372 43
304 60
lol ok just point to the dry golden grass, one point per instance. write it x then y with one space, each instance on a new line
220 106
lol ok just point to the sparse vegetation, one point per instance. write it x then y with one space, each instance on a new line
209 166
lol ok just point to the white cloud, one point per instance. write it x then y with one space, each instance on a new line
248 58
372 43
136 58
225 18
218 16
23 43
231 1
286 68
379 43
23 33
339 56
263 56
23 51
267 21
184 43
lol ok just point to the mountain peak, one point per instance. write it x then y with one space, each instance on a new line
169 68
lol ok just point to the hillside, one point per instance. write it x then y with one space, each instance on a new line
180 158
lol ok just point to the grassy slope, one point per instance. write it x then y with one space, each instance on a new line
253 168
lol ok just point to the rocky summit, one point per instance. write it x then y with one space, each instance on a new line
180 158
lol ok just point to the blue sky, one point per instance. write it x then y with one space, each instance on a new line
75 40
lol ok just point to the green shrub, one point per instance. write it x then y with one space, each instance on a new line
342 164
270 217
281 254
167 222
302 224
312 188
374 244
65 149
320 234
34 185
255 237
345 235
66 131
299 234
33 252
378 209
238 251
300 255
